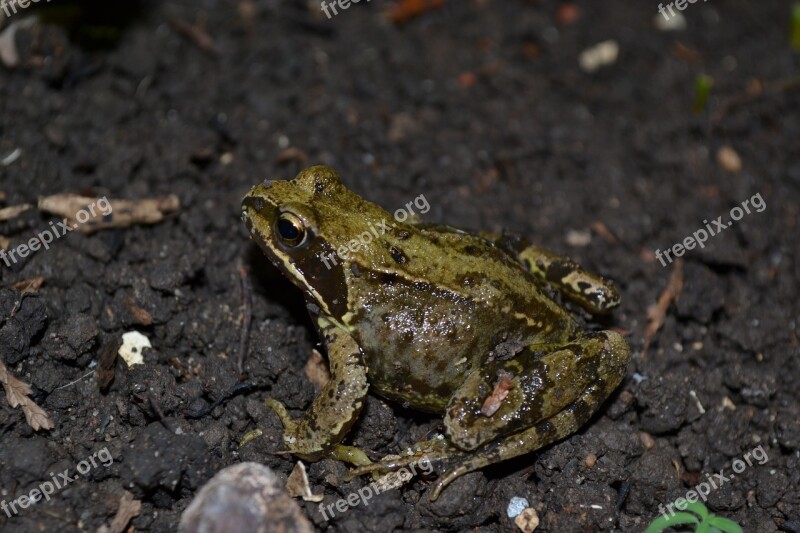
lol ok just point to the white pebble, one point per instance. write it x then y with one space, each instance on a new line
516 506
133 343
599 55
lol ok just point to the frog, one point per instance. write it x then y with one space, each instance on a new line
471 326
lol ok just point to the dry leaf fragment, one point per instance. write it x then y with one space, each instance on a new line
17 394
602 230
129 508
316 370
292 154
107 363
297 484
685 53
140 315
7 213
9 55
119 213
500 392
29 286
657 312
406 10
567 14
195 33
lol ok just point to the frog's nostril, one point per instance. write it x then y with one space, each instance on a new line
267 183
257 203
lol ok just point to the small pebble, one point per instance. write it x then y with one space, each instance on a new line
527 521
133 343
516 506
599 55
590 460
728 404
579 238
728 159
647 440
244 497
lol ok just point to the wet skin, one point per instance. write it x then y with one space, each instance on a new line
433 317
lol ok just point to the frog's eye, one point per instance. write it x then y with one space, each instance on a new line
290 230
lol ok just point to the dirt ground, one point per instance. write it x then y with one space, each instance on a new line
483 107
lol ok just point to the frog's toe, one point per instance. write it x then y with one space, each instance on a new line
350 454
286 420
445 479
387 464
434 451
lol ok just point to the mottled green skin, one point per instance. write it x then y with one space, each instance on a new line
427 316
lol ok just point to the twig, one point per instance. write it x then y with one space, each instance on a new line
656 313
161 417
76 381
247 315
129 508
777 87
236 389
195 33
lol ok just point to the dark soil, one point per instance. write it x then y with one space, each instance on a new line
482 107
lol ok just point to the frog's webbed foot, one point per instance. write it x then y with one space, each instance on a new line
432 451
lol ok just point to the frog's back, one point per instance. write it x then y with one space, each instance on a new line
456 301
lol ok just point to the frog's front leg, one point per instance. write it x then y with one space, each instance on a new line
552 391
592 292
336 407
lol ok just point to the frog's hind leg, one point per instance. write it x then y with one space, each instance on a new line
592 292
559 426
550 394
